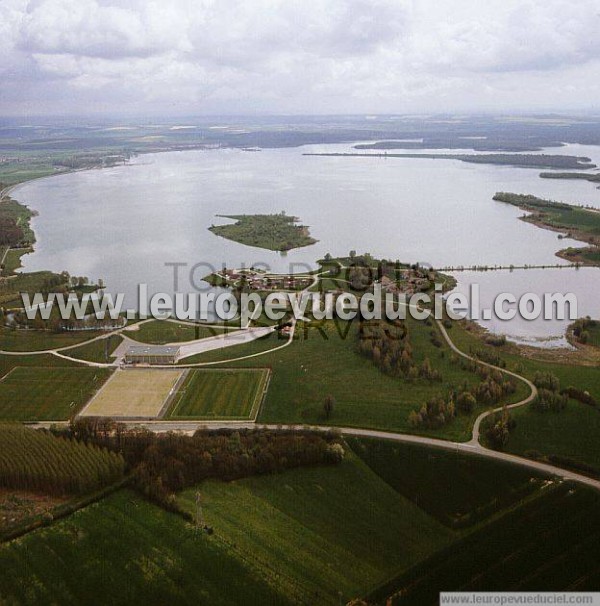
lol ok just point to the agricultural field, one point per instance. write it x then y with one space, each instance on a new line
161 332
551 543
123 551
315 531
474 488
134 393
47 394
38 461
571 433
220 394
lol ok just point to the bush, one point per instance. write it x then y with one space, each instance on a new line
549 401
546 380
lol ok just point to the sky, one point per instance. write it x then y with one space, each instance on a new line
193 57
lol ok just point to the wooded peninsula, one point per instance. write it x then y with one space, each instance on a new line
575 222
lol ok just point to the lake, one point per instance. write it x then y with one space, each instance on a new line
123 224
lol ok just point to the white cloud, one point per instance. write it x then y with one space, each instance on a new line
294 55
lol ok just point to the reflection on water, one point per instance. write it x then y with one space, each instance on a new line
122 224
583 282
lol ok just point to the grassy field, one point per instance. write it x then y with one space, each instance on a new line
47 394
125 551
551 543
220 394
38 340
159 332
134 393
317 531
12 261
573 432
474 488
96 350
320 364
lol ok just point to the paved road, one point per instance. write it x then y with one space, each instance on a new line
229 339
471 447
463 447
476 426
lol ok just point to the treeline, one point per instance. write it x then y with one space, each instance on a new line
37 461
530 201
162 464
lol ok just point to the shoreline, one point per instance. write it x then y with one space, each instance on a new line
12 190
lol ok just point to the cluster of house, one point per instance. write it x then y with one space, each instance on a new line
256 280
409 282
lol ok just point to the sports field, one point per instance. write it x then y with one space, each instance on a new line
47 394
220 394
134 393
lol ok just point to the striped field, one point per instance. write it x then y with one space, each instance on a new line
47 394
210 394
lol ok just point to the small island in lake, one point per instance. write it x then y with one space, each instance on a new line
278 232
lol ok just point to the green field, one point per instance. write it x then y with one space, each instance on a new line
220 394
124 550
47 394
572 432
96 350
39 340
316 531
551 543
319 535
474 488
318 364
159 332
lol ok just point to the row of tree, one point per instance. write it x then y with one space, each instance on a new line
38 461
163 464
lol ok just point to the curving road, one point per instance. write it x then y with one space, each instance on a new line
473 446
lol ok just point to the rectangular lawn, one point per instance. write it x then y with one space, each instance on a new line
220 394
134 393
47 394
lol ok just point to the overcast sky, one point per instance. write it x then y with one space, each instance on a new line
298 56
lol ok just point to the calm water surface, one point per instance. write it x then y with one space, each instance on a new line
122 224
